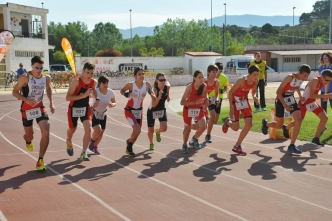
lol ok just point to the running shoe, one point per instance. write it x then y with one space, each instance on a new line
96 150
91 146
264 127
264 108
40 165
70 150
185 148
208 138
84 156
191 142
238 150
316 141
197 145
151 146
293 149
285 132
158 137
129 150
30 146
225 126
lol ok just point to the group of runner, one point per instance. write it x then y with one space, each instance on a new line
201 102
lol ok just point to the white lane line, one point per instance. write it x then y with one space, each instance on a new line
2 217
200 166
62 177
130 169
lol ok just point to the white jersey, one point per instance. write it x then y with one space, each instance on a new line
104 99
137 95
35 88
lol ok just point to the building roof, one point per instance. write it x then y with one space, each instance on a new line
299 52
201 54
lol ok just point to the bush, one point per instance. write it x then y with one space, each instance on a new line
108 53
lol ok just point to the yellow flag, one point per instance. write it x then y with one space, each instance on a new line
6 38
66 46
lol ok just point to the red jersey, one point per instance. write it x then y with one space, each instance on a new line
194 97
291 87
306 92
210 88
81 89
242 93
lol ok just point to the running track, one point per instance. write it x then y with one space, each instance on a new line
210 184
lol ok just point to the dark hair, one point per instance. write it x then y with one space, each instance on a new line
247 65
37 59
137 70
220 66
212 67
327 73
157 77
304 68
328 54
253 68
201 87
89 65
102 79
256 53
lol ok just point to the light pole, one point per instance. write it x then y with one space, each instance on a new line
131 37
293 24
225 33
211 29
42 5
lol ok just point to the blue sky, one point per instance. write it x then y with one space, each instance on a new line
154 12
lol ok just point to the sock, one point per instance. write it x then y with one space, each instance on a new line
40 158
28 142
83 151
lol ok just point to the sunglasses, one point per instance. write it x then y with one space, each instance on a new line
162 80
325 58
38 68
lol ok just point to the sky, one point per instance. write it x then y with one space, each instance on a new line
150 13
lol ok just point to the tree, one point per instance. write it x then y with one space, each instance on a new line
267 28
108 53
60 57
248 40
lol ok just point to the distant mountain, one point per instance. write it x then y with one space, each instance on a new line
239 20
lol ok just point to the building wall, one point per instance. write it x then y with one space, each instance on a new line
199 63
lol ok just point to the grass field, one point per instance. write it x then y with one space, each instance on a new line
308 127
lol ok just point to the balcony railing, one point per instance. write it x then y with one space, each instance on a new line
21 34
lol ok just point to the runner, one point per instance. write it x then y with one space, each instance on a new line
285 101
238 101
212 85
309 103
157 108
99 117
194 101
133 111
223 82
32 86
81 88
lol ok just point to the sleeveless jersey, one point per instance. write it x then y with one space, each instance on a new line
290 88
104 99
136 97
161 104
194 97
210 88
306 92
34 90
242 93
81 89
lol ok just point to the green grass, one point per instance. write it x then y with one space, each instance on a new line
308 128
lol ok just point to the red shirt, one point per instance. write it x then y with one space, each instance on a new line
194 97
81 89
242 93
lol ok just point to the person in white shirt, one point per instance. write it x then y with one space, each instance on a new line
106 97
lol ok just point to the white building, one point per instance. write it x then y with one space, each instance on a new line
29 26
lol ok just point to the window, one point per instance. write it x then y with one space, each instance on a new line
28 54
292 59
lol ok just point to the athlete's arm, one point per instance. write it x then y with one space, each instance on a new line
156 101
112 102
49 93
216 92
21 82
253 93
152 94
127 87
281 87
168 98
238 84
185 96
265 75
70 93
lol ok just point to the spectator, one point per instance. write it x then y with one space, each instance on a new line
21 70
262 80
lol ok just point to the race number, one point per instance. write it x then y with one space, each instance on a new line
158 114
289 100
137 113
79 111
212 100
33 114
99 115
312 106
241 104
193 112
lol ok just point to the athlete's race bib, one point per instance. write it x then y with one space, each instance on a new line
193 112
287 114
312 106
289 100
137 113
33 114
99 115
241 104
212 100
78 111
158 114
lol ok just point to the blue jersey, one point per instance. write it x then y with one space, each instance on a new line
320 70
